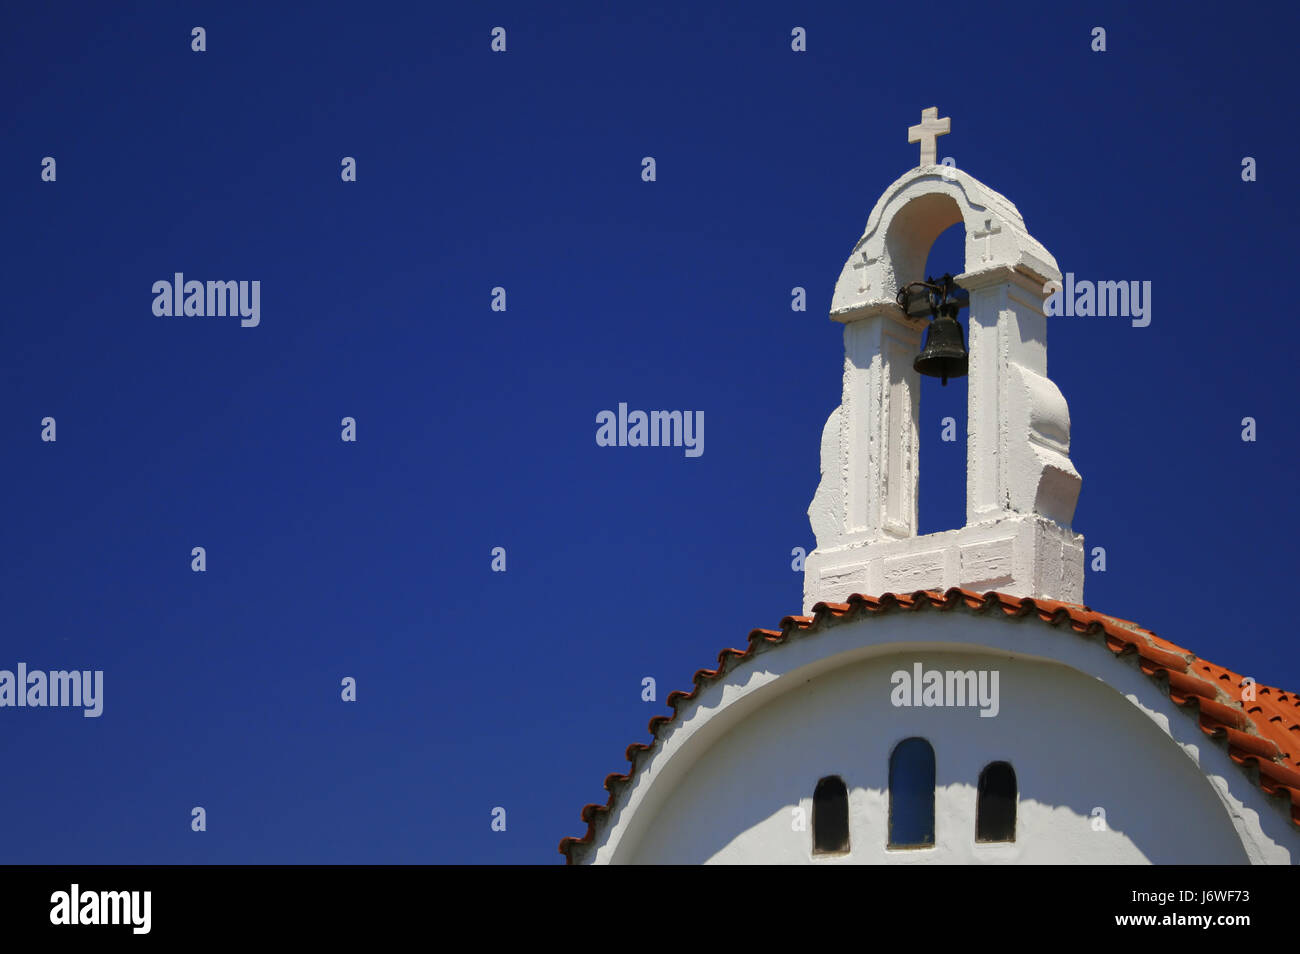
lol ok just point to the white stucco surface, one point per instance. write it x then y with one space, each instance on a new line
723 783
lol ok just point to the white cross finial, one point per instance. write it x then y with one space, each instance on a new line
931 128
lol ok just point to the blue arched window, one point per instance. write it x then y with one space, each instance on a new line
995 809
911 794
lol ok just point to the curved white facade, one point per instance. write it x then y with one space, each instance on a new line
725 782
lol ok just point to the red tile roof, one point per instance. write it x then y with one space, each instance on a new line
1263 736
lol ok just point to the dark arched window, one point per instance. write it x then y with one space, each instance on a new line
995 811
830 821
911 795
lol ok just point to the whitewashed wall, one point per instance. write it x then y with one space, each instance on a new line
723 785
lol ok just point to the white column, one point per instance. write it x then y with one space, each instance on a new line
882 407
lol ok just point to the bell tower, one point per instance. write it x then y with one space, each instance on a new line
1021 487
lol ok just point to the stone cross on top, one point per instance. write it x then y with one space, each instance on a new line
930 128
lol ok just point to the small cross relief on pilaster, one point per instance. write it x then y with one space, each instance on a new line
862 267
991 228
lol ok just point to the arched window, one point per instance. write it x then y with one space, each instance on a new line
830 821
911 795
995 810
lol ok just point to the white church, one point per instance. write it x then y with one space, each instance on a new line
976 712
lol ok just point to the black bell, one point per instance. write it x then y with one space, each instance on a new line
944 355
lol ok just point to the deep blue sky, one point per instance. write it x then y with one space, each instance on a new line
476 428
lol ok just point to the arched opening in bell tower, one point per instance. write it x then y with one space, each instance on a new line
941 444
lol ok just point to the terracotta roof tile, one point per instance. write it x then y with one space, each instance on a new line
1263 734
